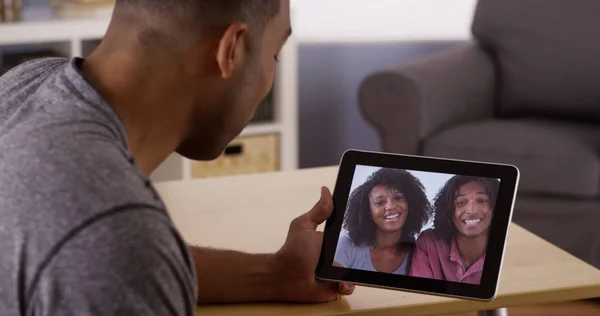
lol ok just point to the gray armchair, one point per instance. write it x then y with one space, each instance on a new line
525 91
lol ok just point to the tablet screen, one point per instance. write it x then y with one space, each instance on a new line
417 223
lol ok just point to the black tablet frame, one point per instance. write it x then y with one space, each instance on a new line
487 289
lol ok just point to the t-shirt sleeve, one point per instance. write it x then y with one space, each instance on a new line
132 262
344 252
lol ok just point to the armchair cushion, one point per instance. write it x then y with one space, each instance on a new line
547 53
553 157
410 101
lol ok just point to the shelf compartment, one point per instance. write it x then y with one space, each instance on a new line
244 155
88 45
13 55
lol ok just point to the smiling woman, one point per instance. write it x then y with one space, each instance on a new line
383 216
455 249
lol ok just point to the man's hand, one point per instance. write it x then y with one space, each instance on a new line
296 261
226 276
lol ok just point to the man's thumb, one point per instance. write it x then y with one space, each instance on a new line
323 209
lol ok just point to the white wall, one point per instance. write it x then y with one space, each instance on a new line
362 20
382 20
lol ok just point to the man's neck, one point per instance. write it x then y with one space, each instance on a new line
471 248
135 87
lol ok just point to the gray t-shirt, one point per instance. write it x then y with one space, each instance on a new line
359 257
82 231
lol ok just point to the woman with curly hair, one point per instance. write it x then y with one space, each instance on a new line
382 218
454 250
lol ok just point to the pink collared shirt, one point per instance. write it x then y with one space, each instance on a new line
433 258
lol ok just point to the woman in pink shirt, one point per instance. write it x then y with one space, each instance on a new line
454 250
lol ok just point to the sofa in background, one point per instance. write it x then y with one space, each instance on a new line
524 91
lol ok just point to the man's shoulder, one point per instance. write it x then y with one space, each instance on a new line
69 153
28 75
432 240
32 67
71 172
428 236
62 161
54 182
25 88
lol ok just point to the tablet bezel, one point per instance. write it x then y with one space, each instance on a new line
487 289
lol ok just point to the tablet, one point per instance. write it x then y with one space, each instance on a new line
419 224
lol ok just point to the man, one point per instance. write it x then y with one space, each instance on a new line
82 231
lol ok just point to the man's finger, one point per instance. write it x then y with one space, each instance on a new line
330 290
323 209
346 288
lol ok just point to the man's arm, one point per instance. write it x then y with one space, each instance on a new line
233 277
285 276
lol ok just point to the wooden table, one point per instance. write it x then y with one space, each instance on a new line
252 213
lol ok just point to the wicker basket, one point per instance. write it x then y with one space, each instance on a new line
244 155
82 8
11 10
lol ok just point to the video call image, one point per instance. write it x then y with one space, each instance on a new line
416 223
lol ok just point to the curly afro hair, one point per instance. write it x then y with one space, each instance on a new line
358 221
444 207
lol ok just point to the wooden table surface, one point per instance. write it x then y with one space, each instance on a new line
252 213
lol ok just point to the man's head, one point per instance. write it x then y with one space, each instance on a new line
224 52
465 206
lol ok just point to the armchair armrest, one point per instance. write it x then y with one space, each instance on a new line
410 102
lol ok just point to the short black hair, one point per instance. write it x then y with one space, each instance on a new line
444 207
209 14
358 221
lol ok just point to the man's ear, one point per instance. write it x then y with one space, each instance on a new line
231 48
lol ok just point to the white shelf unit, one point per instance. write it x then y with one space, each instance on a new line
75 37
